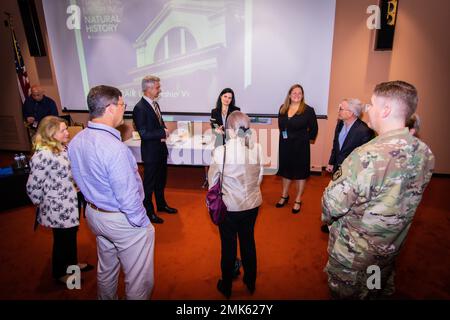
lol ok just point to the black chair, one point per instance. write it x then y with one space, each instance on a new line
70 121
67 118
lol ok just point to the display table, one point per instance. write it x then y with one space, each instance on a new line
192 151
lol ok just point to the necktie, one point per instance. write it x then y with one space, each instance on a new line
158 112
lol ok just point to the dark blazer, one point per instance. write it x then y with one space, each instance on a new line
216 114
151 132
358 135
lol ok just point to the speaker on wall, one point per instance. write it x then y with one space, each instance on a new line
32 29
384 38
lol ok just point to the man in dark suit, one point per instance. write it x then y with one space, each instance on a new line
152 129
350 133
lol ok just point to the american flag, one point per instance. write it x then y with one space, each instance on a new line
21 71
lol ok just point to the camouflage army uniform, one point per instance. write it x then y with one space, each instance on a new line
369 206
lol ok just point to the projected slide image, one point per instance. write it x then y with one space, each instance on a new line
196 47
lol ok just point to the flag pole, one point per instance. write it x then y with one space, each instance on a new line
22 75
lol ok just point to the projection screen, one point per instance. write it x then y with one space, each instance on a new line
259 48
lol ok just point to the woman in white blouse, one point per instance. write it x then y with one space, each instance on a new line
242 177
51 187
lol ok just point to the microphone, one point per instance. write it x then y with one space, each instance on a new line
214 122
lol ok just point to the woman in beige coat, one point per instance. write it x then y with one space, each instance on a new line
242 176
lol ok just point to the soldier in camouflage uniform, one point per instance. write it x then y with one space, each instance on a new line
372 199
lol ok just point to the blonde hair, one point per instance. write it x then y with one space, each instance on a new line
44 137
287 102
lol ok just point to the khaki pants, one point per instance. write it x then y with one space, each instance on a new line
120 244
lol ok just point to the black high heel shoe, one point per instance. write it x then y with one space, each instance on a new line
295 211
285 200
85 267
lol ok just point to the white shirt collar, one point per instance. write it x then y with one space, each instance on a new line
150 101
350 125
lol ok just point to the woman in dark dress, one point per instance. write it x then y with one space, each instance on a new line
298 125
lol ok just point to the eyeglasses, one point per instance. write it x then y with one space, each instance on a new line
116 104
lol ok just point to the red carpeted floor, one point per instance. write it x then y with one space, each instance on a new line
291 249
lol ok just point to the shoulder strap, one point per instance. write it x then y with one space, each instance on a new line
223 166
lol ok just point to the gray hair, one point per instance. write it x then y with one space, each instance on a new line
240 122
355 106
149 81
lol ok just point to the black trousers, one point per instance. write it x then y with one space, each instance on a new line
64 250
155 177
238 224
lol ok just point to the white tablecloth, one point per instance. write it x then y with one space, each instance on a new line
194 151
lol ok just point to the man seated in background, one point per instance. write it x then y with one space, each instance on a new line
36 107
350 133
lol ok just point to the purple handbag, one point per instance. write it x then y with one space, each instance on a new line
216 207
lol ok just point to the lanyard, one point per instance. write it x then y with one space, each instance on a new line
105 131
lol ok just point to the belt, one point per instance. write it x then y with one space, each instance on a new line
93 206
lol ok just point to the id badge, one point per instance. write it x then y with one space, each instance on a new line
284 133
